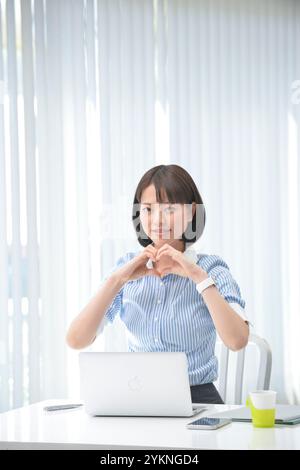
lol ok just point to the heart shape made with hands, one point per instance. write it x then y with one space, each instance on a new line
163 264
166 263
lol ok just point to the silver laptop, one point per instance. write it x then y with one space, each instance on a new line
136 384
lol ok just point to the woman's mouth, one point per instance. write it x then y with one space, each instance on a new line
160 231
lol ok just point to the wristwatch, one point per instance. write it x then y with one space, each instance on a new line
204 284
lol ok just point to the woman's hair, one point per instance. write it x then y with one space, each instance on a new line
179 187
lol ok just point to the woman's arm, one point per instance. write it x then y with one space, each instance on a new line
232 329
83 328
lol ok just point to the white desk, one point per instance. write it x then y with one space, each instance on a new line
32 428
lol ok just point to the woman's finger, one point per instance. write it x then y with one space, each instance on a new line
152 250
166 251
166 245
147 254
163 249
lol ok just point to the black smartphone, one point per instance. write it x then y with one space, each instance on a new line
208 423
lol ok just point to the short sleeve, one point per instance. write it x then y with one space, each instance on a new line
117 303
219 271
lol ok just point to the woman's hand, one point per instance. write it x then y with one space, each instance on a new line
175 262
136 267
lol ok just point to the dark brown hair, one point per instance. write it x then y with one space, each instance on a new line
179 186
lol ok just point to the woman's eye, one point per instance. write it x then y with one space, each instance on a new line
166 209
170 209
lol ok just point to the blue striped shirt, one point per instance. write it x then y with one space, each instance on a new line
169 314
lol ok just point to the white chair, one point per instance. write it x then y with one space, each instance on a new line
264 369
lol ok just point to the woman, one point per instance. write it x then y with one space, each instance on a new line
169 297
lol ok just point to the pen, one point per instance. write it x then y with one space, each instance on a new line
62 407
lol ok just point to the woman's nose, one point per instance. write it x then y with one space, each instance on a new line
158 217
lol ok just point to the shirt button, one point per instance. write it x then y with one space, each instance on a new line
161 283
155 318
158 301
156 340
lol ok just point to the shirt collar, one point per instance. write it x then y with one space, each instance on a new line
191 255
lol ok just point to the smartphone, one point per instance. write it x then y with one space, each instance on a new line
62 407
208 423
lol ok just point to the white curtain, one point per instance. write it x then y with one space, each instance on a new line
234 124
94 94
77 131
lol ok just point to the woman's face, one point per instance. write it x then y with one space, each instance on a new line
163 222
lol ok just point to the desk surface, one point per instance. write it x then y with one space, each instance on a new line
32 428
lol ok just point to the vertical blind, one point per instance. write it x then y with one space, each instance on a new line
77 131
234 124
97 92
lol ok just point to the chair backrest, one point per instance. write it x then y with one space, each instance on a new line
263 374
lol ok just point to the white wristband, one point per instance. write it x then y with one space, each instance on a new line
204 284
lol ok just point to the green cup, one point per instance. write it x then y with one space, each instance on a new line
262 406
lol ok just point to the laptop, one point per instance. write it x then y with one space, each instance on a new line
136 384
